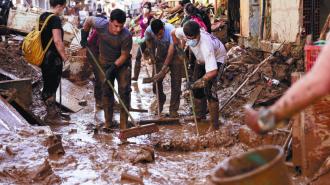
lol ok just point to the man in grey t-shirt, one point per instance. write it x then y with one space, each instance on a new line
115 44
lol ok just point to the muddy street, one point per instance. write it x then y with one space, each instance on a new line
175 155
205 92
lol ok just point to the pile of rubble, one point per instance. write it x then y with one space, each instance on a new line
266 86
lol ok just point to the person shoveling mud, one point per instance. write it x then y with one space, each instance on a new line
115 47
210 55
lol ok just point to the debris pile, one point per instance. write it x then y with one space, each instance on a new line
263 88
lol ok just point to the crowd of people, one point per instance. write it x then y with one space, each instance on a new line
111 43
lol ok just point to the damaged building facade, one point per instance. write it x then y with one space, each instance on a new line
266 23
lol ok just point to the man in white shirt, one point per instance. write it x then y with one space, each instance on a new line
210 55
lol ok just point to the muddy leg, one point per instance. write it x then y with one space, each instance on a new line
162 96
176 80
199 94
124 87
97 82
108 101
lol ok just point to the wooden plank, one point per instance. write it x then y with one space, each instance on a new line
71 95
254 95
161 121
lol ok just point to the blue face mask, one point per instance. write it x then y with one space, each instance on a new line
192 42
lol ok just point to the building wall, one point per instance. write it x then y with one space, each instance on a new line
285 15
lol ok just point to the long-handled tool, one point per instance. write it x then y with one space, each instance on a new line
156 84
248 78
137 130
190 92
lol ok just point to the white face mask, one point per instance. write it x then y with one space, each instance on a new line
146 10
192 42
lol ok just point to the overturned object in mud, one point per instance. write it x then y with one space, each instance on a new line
129 177
261 166
145 155
55 145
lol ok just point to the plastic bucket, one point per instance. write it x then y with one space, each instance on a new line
261 166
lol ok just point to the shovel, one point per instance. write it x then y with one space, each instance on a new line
180 52
137 130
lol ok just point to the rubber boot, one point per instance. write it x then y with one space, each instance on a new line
137 68
108 113
200 108
214 115
53 114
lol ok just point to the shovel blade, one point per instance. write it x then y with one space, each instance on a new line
137 131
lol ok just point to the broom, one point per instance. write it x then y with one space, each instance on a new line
137 130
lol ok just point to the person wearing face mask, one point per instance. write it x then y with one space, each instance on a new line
52 64
210 55
143 20
115 45
160 44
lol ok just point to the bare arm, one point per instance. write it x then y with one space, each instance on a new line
312 87
210 75
57 37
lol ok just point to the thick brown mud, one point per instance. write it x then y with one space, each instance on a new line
175 155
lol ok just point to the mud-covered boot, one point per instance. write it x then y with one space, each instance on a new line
214 115
53 113
200 108
108 115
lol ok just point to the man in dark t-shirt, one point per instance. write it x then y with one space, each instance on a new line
115 44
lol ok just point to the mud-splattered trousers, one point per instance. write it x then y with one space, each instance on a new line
137 65
159 50
123 78
206 94
98 78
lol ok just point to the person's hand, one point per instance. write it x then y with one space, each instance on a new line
111 71
161 74
261 121
200 83
251 118
84 36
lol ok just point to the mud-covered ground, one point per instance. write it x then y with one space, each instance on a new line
175 155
